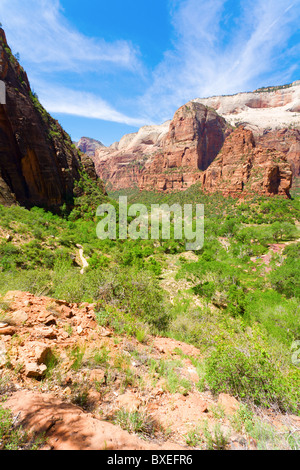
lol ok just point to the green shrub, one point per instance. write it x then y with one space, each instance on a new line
286 278
253 377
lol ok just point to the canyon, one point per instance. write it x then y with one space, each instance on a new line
207 142
175 155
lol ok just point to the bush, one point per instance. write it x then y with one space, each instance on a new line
251 377
279 316
286 278
132 291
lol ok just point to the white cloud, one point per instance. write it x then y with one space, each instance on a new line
206 62
58 99
48 43
205 59
38 30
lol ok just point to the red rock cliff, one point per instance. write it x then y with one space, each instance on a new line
172 160
242 168
38 163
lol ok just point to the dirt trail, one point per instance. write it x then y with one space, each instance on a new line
168 282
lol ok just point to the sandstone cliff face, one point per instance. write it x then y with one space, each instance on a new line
173 156
121 164
167 157
242 168
273 114
286 141
267 108
195 137
38 163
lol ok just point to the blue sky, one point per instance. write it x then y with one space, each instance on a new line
104 69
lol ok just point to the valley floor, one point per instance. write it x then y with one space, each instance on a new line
142 345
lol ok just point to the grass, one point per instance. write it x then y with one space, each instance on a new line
233 304
267 436
135 422
101 357
170 371
193 438
215 438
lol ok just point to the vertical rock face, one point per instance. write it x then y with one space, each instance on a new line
200 145
167 157
272 113
195 137
284 140
242 168
38 163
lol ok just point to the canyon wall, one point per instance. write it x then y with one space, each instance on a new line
243 168
273 115
39 165
200 145
166 157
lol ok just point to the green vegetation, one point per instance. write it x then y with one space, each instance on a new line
135 422
239 307
13 437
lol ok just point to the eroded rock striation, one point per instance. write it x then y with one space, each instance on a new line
166 157
286 141
243 168
174 156
39 165
273 115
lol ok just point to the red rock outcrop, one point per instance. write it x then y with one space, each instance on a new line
242 168
286 141
195 137
172 159
175 159
272 113
38 162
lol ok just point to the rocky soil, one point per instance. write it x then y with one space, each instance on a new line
65 375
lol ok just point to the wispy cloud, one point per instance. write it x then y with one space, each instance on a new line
38 30
58 99
57 54
216 49
207 60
